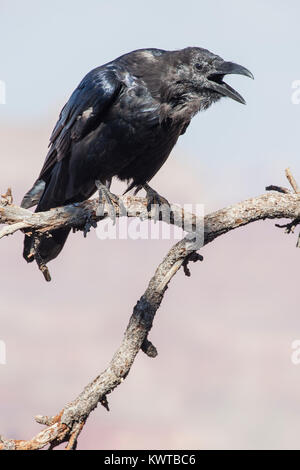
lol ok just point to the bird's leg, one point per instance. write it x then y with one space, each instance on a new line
155 200
109 197
90 222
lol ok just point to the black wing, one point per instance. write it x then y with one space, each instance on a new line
82 113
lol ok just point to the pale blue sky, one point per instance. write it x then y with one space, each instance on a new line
48 46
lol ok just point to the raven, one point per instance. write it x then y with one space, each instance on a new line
123 120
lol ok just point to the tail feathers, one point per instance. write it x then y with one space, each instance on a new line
33 196
49 248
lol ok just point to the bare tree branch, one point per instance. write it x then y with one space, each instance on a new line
292 181
67 425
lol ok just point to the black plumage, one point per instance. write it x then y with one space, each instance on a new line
123 120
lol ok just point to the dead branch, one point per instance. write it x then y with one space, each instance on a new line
292 181
67 425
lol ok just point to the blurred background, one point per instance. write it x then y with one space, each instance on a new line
223 378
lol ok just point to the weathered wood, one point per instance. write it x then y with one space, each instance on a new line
66 426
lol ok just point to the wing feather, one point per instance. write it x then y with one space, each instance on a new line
82 113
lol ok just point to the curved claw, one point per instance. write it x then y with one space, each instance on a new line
89 223
155 201
110 198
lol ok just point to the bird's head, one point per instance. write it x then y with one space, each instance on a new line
197 72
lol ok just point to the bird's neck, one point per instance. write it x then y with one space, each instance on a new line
181 102
180 110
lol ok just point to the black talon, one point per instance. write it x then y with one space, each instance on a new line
156 200
89 223
110 198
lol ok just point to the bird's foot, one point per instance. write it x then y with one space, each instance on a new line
155 202
111 199
89 223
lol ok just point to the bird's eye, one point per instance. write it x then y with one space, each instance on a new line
198 66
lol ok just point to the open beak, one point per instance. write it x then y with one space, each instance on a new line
215 79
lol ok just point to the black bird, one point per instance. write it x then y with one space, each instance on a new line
123 120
